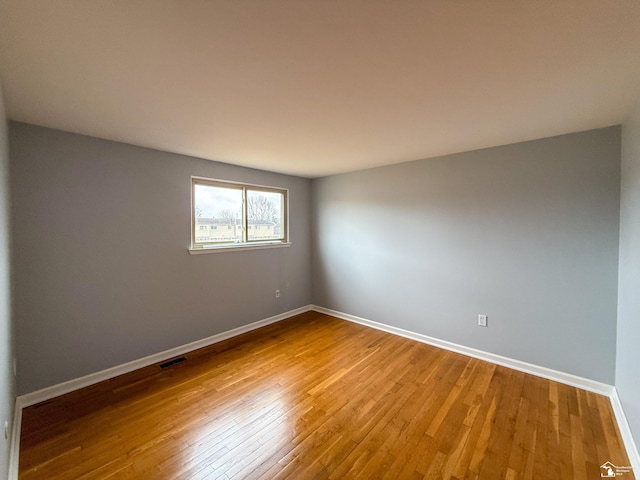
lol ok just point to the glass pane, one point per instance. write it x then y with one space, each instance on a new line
217 207
265 212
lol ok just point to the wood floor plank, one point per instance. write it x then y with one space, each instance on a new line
318 397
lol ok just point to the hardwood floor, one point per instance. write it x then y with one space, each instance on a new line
318 397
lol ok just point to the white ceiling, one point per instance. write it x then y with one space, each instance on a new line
317 87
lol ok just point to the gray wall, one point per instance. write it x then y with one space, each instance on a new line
7 383
102 273
628 351
526 234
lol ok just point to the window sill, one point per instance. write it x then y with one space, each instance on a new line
237 248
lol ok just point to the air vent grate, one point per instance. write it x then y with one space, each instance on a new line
173 362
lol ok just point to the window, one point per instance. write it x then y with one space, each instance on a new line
254 216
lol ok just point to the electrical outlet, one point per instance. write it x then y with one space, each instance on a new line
277 293
482 320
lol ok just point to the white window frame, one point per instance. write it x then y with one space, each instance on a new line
197 248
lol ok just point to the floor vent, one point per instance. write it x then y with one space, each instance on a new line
172 362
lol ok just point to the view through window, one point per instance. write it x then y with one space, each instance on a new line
234 214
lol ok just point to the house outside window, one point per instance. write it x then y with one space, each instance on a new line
253 215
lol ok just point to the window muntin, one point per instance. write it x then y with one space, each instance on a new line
252 214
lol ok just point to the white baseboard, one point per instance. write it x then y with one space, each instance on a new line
93 378
48 393
24 401
625 431
14 447
548 373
